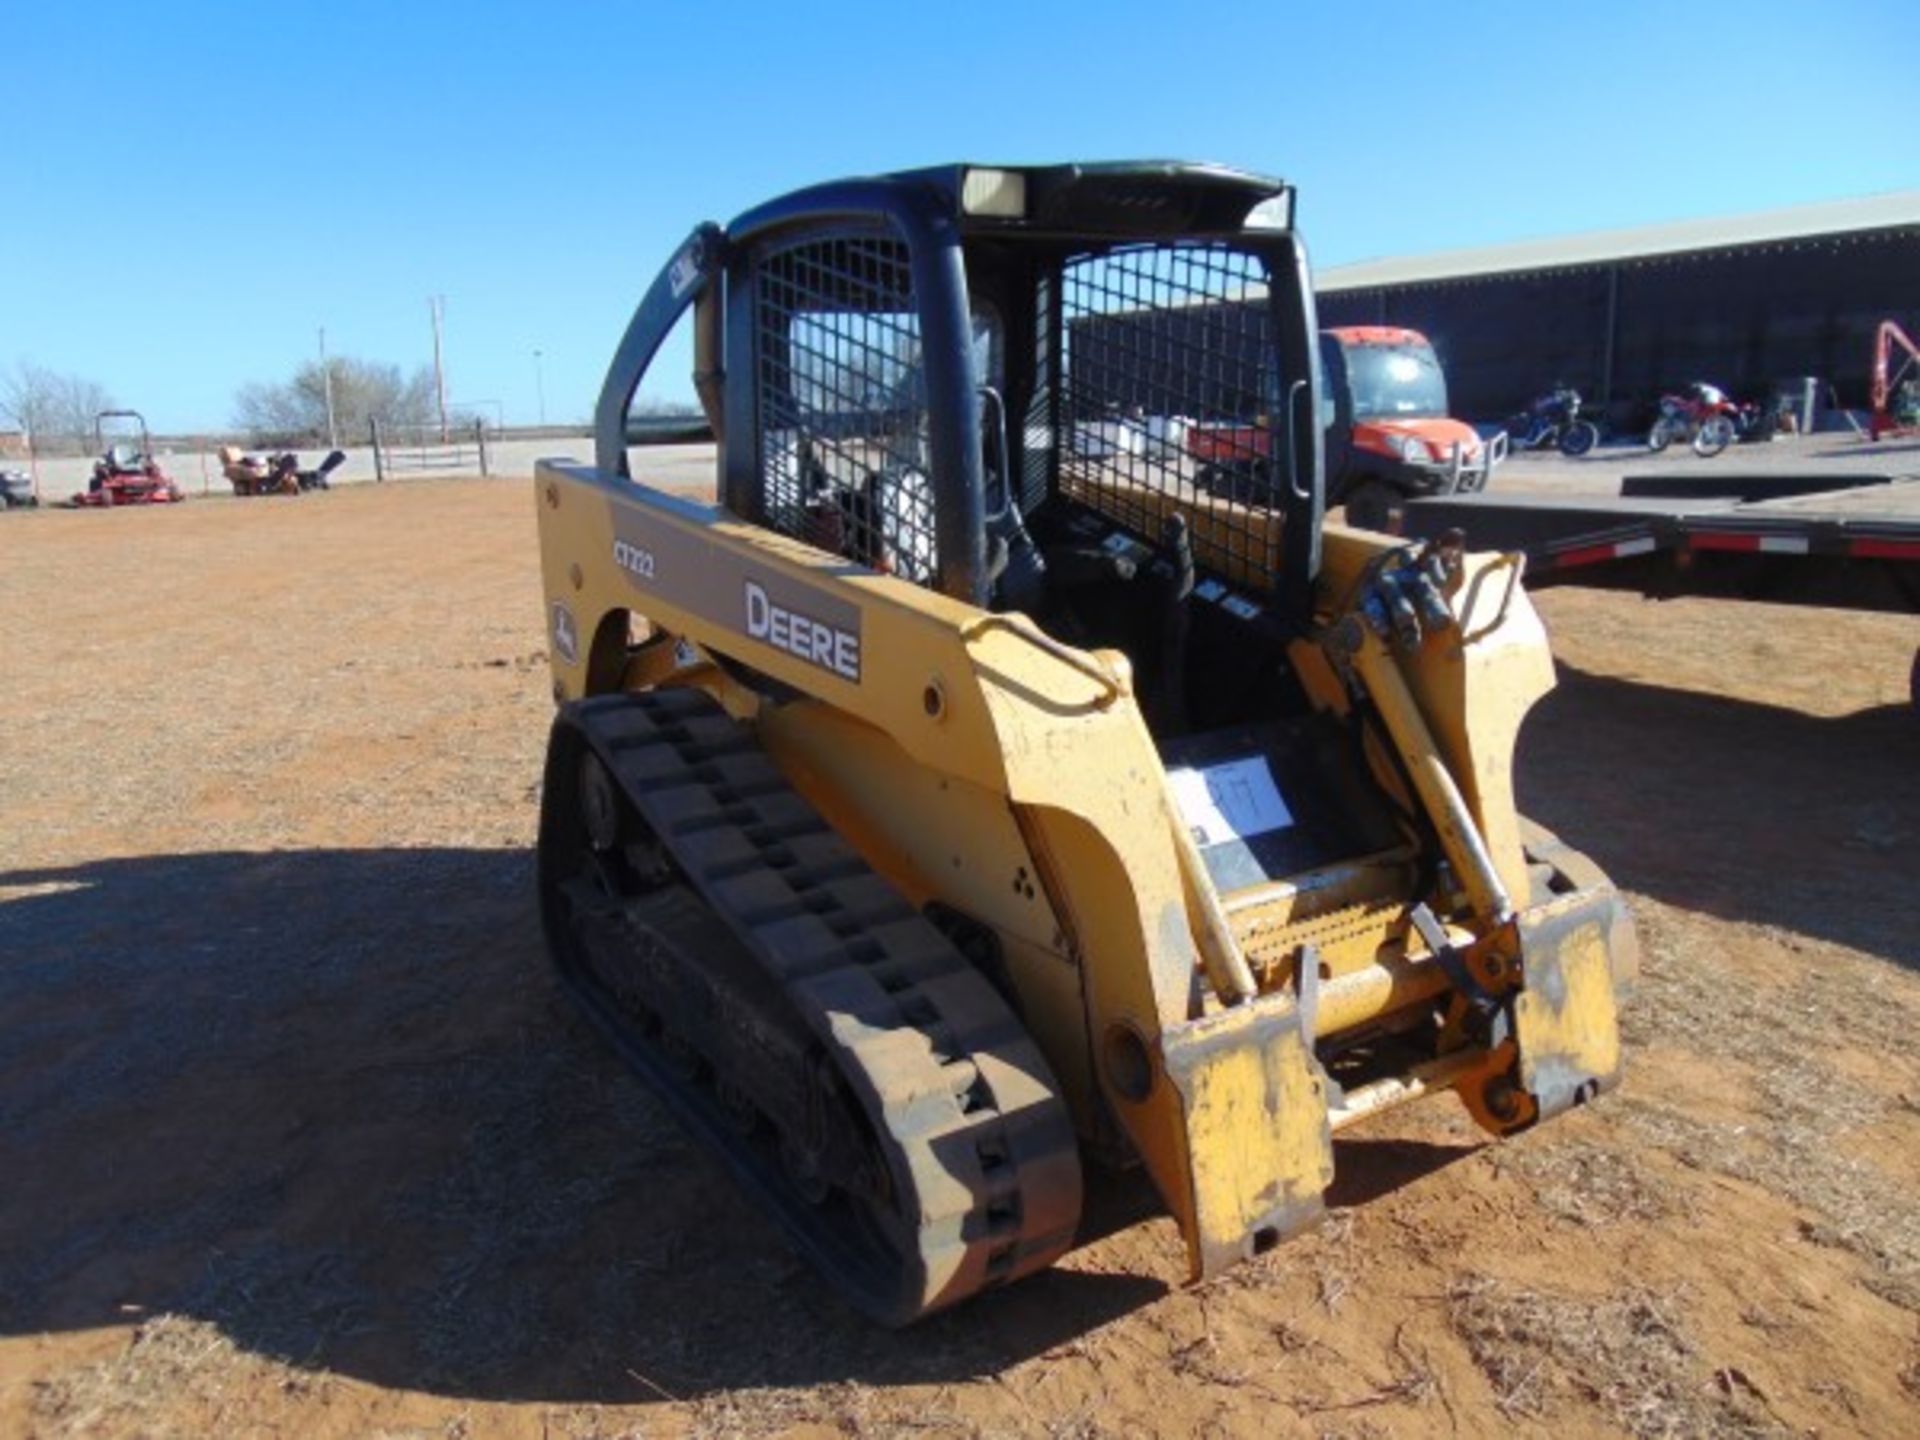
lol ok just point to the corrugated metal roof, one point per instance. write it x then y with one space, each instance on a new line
1800 222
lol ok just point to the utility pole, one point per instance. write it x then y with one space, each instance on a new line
540 389
437 311
326 380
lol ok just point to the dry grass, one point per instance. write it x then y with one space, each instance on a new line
1413 1381
1203 1359
1081 1425
1589 1184
1628 1355
850 1408
1326 1253
1855 1206
1332 1260
1689 998
579 1422
175 1377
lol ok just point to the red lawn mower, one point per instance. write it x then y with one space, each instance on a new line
125 473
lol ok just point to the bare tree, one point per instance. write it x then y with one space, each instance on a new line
57 408
28 393
295 412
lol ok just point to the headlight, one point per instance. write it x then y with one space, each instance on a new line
1413 449
999 193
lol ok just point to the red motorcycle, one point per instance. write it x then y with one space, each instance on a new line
1701 414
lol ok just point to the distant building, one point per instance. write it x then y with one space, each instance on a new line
13 445
1744 302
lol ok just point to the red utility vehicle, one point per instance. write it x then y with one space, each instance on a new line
125 474
1389 438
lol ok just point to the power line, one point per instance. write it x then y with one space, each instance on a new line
326 381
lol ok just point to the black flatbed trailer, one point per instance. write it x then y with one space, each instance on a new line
1803 541
1786 539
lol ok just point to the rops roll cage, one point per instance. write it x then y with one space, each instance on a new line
1014 229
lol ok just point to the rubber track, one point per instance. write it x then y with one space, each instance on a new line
977 1142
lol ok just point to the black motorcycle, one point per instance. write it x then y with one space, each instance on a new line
1553 420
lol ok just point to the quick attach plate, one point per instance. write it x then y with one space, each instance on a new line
1565 1019
1260 1148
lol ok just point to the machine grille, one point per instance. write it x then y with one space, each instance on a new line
843 403
1165 385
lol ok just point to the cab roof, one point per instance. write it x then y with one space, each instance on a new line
1118 198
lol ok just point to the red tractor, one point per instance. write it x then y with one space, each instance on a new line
126 474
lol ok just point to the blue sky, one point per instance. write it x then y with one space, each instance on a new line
194 189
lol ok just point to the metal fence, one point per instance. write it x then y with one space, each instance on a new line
401 450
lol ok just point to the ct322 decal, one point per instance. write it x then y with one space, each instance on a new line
634 559
733 590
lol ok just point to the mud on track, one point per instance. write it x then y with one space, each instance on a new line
297 1136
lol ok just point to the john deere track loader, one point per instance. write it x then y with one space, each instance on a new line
971 800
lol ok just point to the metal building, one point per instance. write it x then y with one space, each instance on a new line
1745 302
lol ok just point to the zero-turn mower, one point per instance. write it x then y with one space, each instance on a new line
971 800
125 473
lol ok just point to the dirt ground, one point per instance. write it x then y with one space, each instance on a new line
297 1136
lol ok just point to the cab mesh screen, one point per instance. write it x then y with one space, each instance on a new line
1165 385
843 404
